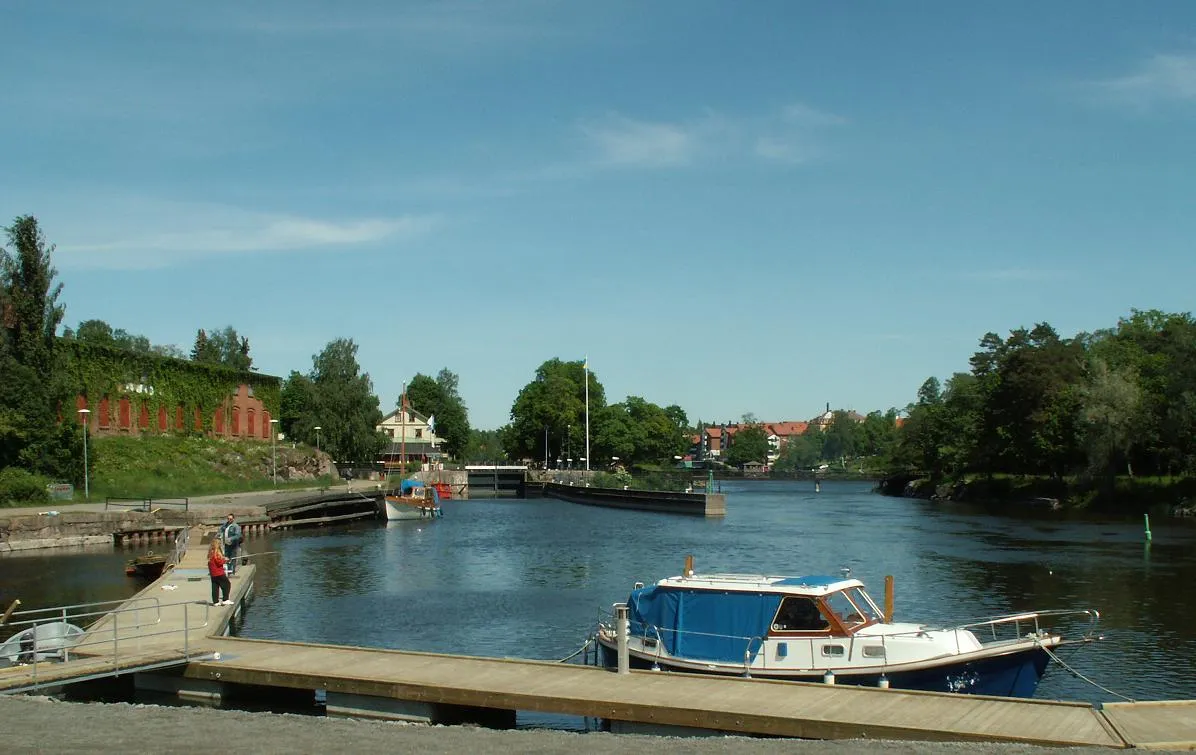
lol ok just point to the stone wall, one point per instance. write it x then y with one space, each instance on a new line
74 528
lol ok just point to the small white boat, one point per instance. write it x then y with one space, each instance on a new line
414 500
44 642
828 629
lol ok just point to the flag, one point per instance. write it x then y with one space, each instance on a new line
585 362
432 423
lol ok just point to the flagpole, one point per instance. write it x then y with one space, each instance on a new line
586 372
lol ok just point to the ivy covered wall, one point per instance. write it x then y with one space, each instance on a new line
94 372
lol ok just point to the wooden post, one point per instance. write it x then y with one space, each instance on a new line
4 619
889 599
689 566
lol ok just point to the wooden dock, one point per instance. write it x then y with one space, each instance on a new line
177 644
327 507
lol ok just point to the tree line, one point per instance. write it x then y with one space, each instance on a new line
1118 401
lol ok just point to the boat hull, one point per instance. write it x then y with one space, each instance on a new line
397 512
1012 674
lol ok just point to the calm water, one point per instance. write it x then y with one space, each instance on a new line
529 578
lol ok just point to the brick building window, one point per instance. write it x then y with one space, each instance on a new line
163 421
265 424
102 410
220 422
249 423
125 420
198 420
178 417
236 421
143 417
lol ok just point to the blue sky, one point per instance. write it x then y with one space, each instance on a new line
735 207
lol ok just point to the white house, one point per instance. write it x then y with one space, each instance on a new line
412 437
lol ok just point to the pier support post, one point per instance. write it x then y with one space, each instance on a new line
622 628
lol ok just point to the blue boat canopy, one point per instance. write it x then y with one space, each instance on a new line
406 486
712 625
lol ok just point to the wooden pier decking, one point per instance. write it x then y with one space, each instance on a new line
170 638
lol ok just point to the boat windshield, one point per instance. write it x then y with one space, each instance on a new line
852 607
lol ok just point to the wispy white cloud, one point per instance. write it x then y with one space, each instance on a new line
623 142
787 136
154 234
1157 80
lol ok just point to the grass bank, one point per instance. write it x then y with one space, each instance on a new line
165 466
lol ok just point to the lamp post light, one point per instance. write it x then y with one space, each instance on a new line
274 449
318 429
83 417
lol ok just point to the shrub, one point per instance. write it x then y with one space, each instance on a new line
21 488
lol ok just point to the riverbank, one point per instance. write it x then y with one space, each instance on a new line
75 524
40 724
1137 495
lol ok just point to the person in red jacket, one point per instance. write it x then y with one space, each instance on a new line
220 583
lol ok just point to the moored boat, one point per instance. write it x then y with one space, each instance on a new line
413 500
51 641
148 567
828 629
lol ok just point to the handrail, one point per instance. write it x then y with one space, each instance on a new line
145 504
97 636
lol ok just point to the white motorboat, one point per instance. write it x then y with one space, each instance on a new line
821 628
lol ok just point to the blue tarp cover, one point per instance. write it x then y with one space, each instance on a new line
406 486
706 625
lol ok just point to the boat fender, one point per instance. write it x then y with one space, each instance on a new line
883 682
828 677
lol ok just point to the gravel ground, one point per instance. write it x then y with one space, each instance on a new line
41 724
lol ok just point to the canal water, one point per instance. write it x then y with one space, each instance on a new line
529 579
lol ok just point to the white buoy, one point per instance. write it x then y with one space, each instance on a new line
883 682
828 677
216 655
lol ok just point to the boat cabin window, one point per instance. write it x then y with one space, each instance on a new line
799 615
852 607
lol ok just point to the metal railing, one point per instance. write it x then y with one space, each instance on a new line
1010 628
146 504
45 637
181 541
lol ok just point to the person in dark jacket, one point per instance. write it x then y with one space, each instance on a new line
230 536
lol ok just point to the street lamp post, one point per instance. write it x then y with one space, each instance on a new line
83 417
274 449
319 462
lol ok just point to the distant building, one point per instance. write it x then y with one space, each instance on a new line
411 437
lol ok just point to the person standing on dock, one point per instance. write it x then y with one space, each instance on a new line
220 583
230 535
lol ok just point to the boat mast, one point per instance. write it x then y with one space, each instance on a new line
402 435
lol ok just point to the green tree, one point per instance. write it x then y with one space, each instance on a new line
638 432
299 410
1110 402
750 444
223 346
553 404
346 404
484 446
802 452
440 398
33 389
95 331
842 438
